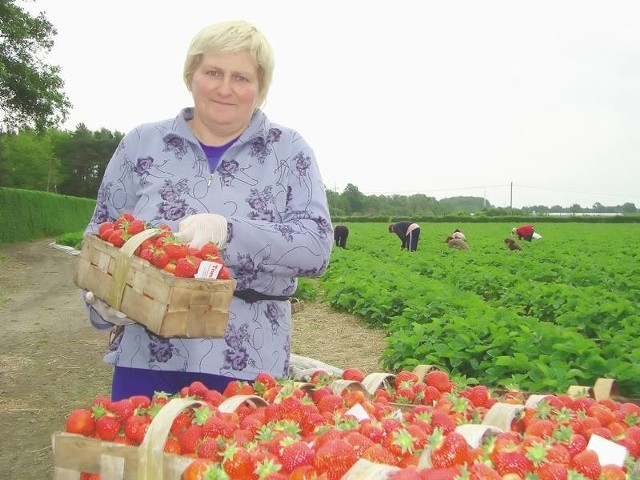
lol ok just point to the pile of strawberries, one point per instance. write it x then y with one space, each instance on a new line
163 250
311 431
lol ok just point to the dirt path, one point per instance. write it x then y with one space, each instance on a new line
51 358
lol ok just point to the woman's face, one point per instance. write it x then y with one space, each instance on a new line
225 91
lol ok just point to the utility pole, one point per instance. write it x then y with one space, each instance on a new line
511 197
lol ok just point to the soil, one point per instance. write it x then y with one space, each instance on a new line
51 357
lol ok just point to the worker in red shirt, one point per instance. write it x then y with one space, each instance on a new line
524 232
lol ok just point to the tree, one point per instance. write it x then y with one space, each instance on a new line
28 162
31 93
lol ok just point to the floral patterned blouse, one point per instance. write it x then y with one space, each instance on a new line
268 186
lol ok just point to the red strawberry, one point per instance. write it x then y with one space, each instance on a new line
295 455
103 227
334 458
379 454
263 382
160 258
189 438
135 428
209 249
107 427
586 463
237 462
552 471
81 421
118 238
353 374
185 267
405 378
448 451
224 274
197 389
122 408
209 448
135 226
440 380
174 248
196 470
511 460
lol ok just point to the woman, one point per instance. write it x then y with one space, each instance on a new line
409 234
220 164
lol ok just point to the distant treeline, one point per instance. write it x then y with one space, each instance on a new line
73 162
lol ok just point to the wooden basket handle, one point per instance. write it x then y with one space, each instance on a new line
123 262
151 450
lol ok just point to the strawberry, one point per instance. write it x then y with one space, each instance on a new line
224 274
107 427
334 458
135 226
295 455
171 445
123 220
103 227
405 378
353 374
552 471
440 380
237 462
197 389
118 238
123 409
135 428
140 401
586 463
189 438
447 451
160 258
512 460
209 249
209 449
81 421
185 268
263 382
481 471
196 470
377 453
174 248
540 427
612 472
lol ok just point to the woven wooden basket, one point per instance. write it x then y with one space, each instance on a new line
167 305
74 454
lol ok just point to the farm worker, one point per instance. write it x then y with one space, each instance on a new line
512 244
525 232
408 232
340 234
456 243
220 164
458 234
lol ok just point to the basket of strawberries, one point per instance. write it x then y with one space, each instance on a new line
155 279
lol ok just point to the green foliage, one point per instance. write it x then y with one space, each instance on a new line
308 289
556 314
31 94
28 215
71 239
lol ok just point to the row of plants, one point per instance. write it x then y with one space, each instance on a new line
561 312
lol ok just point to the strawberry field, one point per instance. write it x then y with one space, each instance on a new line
563 311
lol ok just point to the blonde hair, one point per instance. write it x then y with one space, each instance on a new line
232 37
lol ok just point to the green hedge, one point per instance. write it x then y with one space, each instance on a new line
30 214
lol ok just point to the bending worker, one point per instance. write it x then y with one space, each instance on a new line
408 232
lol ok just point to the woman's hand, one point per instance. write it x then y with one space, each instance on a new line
198 229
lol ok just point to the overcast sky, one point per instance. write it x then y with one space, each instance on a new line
523 103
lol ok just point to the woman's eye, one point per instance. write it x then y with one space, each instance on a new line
213 73
240 78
